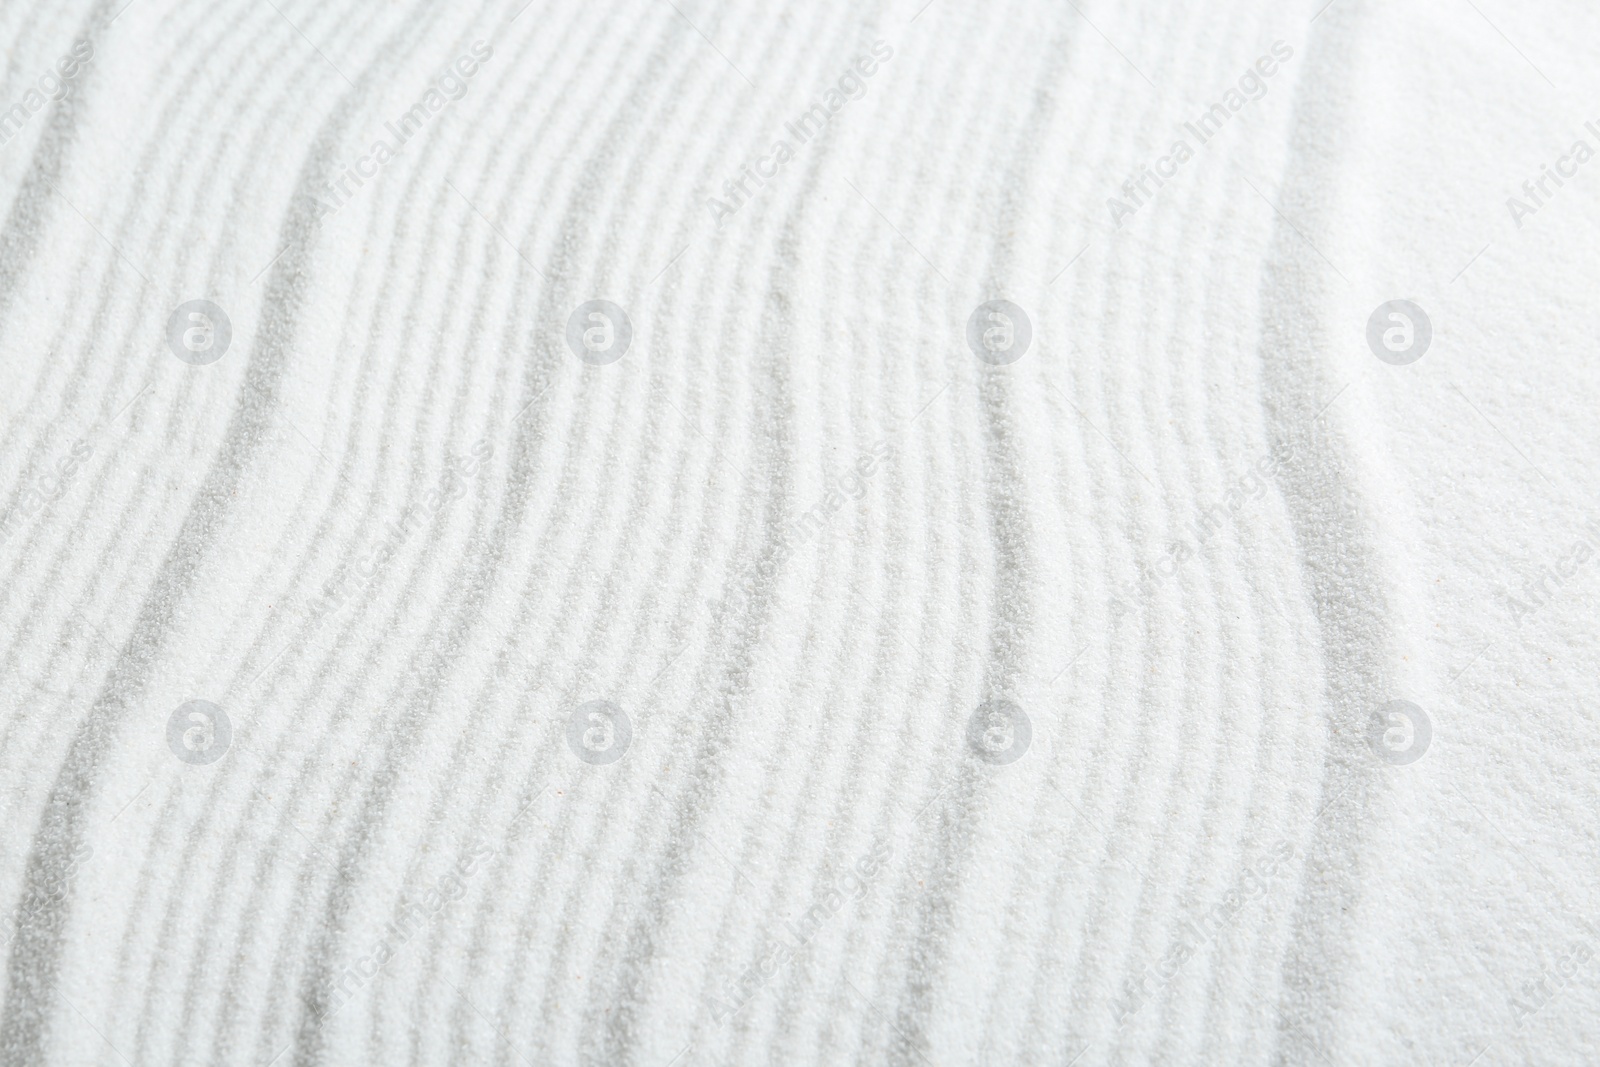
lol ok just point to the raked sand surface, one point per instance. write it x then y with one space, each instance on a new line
686 532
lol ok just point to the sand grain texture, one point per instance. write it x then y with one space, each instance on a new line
646 609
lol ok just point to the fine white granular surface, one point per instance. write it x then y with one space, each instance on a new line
671 532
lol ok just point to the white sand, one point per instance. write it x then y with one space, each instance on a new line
426 663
